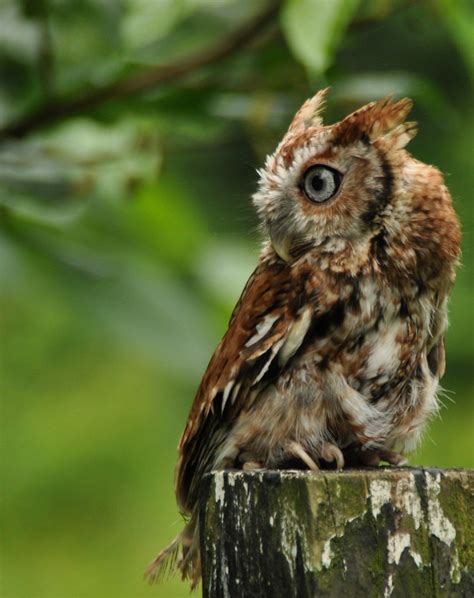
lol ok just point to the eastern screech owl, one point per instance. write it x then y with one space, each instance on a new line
335 348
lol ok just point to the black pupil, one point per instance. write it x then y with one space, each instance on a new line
318 182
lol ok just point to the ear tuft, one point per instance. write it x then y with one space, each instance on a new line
376 120
400 136
309 113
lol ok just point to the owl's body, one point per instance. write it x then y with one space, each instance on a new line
334 351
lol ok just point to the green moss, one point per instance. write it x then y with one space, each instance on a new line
332 507
349 500
419 538
456 498
324 540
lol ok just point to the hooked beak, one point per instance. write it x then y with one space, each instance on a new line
282 245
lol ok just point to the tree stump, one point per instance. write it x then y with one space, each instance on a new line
380 532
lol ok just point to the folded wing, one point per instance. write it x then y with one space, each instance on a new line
265 330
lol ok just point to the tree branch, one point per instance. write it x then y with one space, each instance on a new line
55 111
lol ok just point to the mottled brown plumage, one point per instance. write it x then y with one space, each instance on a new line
335 348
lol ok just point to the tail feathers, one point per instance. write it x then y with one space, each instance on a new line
165 563
182 554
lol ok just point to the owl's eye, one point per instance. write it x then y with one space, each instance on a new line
320 183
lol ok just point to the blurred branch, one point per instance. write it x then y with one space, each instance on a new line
54 111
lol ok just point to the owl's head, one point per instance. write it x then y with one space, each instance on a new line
333 182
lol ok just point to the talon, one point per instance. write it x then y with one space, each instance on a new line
252 465
298 451
330 452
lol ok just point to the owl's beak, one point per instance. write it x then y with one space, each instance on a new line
282 246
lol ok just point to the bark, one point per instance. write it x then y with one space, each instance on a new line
380 532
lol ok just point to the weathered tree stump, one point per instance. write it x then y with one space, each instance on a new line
380 532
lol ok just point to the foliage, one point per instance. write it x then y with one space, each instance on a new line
314 28
126 235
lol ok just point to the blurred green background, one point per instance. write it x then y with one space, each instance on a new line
126 235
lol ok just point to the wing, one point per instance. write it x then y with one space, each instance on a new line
435 350
265 330
437 359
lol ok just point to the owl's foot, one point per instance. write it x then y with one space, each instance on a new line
392 458
372 458
252 465
330 452
249 462
298 451
360 457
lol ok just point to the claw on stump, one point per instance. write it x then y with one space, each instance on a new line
298 451
330 452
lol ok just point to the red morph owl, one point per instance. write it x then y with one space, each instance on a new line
334 351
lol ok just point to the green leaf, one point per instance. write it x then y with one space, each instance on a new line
315 28
458 17
145 22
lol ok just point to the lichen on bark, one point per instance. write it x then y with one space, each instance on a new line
380 532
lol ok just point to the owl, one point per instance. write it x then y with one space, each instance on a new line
334 351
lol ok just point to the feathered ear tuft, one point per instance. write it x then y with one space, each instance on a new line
400 136
383 118
309 113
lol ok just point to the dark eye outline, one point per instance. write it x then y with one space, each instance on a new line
337 177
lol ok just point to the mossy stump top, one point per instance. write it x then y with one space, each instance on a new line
381 532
